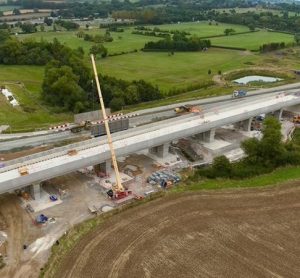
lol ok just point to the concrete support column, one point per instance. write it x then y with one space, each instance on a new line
104 167
246 124
161 150
35 191
278 114
208 136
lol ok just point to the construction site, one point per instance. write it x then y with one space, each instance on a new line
54 180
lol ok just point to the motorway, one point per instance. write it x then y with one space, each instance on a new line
56 162
145 116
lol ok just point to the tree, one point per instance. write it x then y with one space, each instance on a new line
16 11
209 71
60 88
98 49
4 35
221 166
132 95
297 38
48 21
229 31
28 28
271 146
116 104
42 27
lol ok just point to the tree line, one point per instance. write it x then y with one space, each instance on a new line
67 83
179 42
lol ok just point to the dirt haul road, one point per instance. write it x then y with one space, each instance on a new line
232 233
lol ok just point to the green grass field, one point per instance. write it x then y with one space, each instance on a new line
122 41
256 10
126 41
8 8
202 28
25 84
178 71
252 41
278 176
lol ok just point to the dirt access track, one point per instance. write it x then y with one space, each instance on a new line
227 233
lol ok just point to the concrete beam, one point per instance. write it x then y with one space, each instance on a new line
161 150
35 191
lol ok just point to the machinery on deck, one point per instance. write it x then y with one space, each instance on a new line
86 125
239 93
187 108
296 119
117 191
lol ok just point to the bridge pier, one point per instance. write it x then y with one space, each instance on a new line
104 167
207 136
35 191
244 125
278 114
161 150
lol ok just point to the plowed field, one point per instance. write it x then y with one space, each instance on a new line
232 233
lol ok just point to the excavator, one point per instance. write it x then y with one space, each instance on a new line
118 191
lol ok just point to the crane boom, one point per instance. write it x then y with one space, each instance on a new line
118 185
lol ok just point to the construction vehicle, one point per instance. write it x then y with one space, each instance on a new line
86 125
187 108
23 171
239 93
296 119
118 191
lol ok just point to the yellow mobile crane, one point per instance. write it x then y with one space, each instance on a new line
118 191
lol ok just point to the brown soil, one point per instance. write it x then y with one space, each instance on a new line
18 226
227 233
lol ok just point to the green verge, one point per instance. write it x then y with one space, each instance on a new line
68 241
278 176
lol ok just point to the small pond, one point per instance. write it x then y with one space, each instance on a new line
256 78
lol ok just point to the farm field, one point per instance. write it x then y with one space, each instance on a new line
202 28
224 233
256 10
252 41
8 8
177 71
124 41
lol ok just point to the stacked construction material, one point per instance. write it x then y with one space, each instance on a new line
163 178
